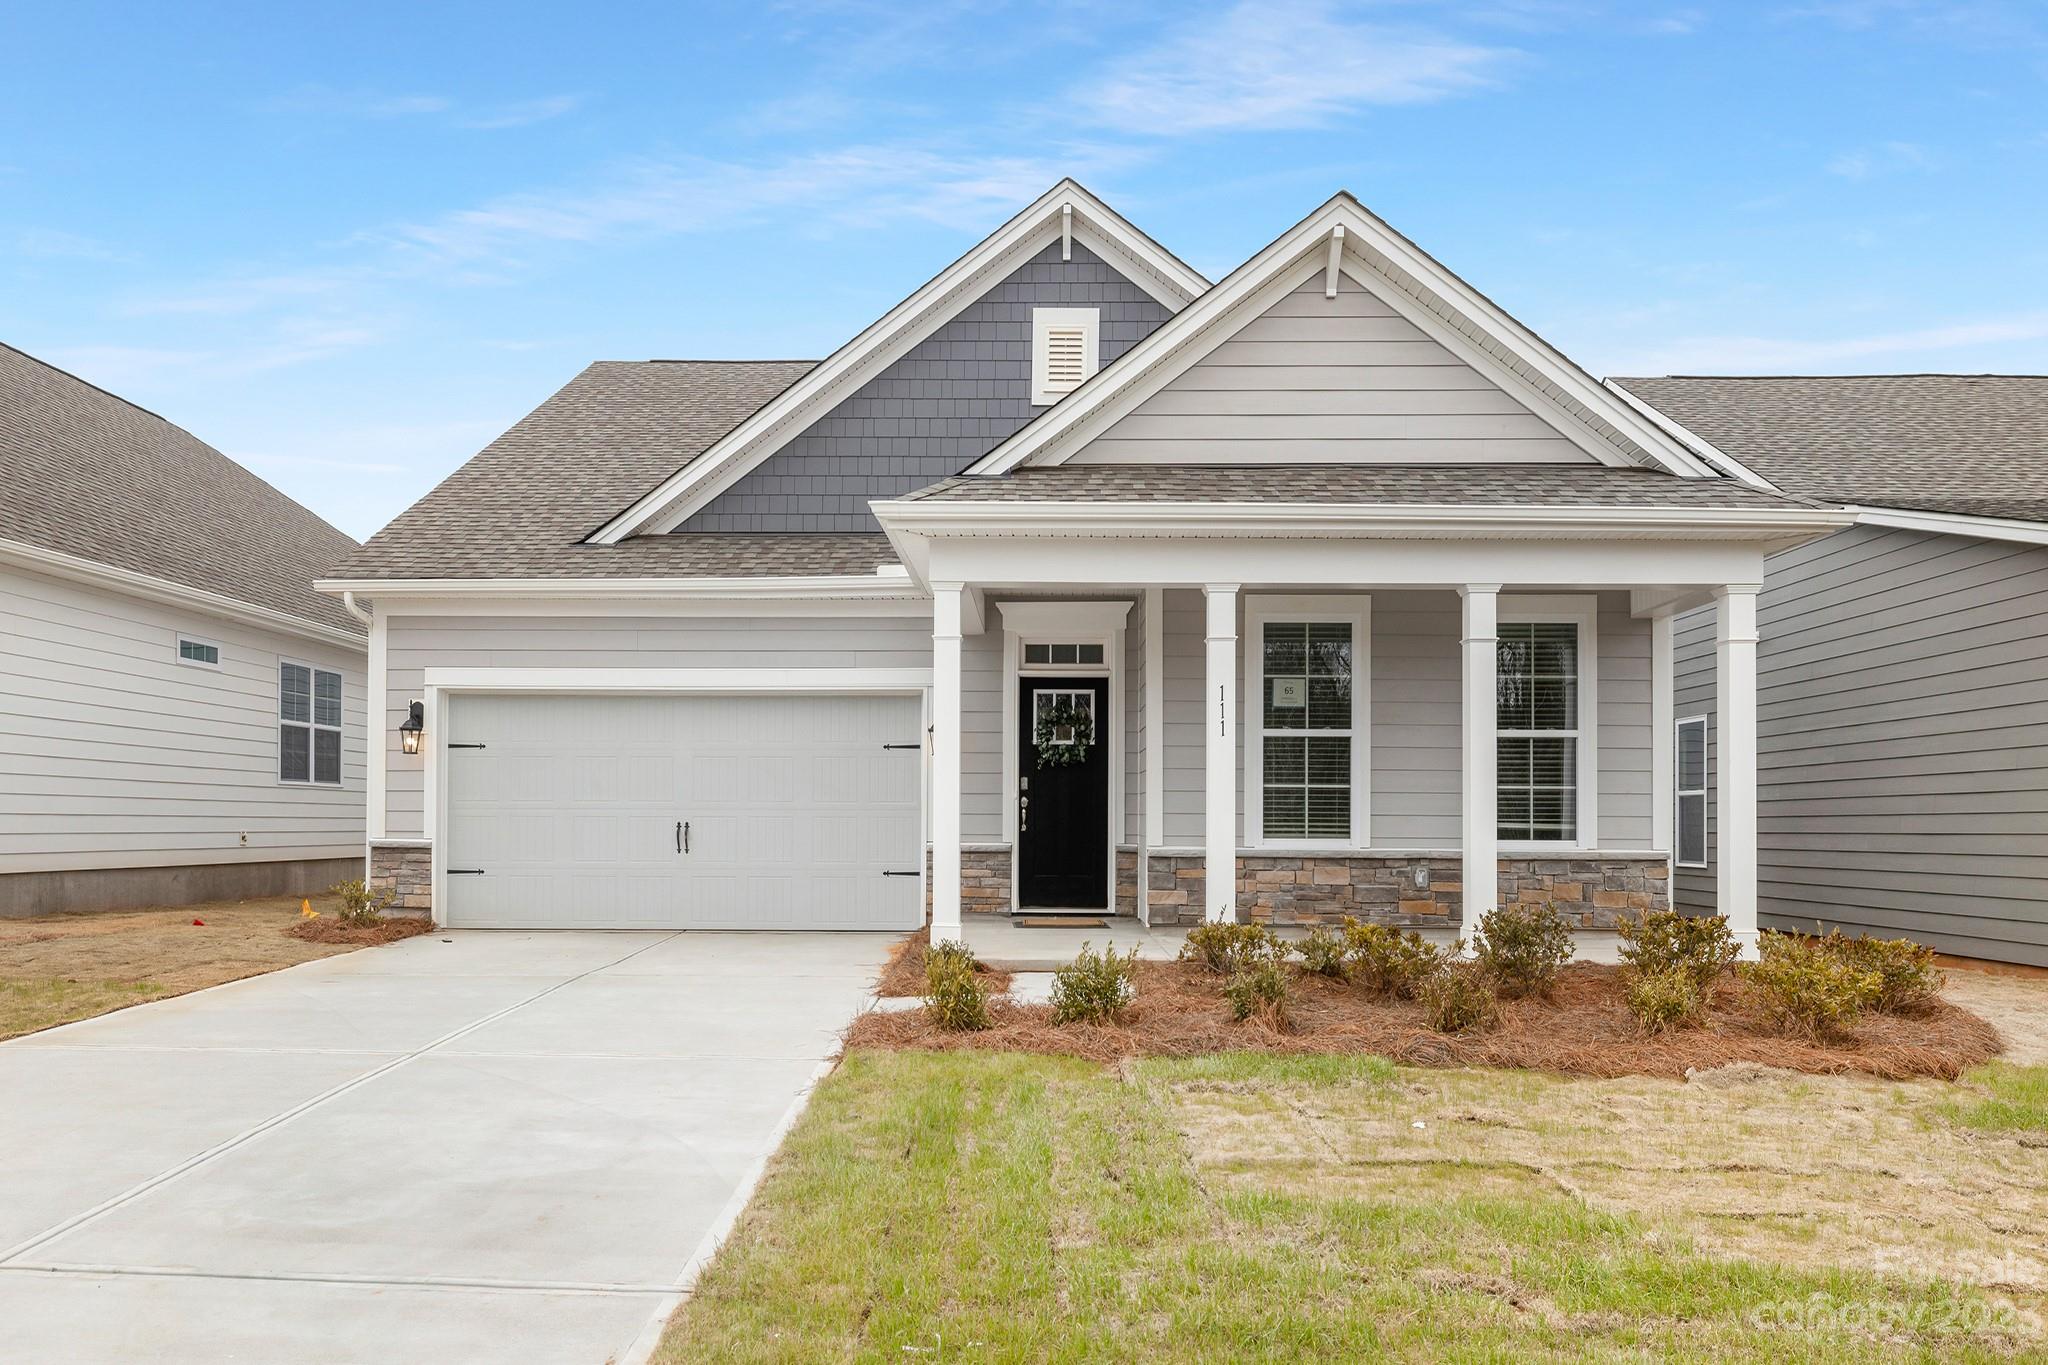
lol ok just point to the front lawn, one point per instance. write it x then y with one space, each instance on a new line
55 969
990 1206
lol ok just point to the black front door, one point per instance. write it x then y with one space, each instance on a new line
1062 807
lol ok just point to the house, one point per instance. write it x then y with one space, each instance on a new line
1324 588
181 714
1903 674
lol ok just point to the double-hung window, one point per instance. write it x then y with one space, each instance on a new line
1307 693
1691 774
308 724
1538 712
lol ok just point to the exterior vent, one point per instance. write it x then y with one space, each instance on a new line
1064 351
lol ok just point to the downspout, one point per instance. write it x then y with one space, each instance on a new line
348 602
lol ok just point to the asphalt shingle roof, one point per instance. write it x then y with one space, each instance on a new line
522 507
1450 485
87 474
1970 444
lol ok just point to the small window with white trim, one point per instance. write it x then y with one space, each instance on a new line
198 653
1690 772
308 724
1065 351
1046 655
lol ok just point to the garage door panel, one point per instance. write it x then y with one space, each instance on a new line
795 811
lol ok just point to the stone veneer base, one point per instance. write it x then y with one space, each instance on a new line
1592 890
404 872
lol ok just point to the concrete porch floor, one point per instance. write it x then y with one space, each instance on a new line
1002 942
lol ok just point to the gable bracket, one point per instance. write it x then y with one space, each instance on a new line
1334 269
1066 232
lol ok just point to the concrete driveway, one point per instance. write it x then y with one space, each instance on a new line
466 1146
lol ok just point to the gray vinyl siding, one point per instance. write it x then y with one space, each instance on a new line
115 755
1318 380
952 399
981 736
415 643
1902 740
1417 727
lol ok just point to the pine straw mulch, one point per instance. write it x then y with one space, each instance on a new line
387 930
1584 1029
903 974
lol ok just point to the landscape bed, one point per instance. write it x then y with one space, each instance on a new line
1584 1028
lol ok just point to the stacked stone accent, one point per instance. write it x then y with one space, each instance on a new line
985 881
404 872
1127 881
1592 892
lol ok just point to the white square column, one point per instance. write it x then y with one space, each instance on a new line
1735 639
1480 810
945 778
1220 719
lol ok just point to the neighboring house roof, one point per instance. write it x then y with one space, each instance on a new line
1391 485
522 507
1973 445
89 476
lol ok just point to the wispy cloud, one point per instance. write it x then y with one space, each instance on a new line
1296 64
329 102
55 243
1679 23
1764 355
1884 158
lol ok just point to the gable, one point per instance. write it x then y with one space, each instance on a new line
1317 380
947 402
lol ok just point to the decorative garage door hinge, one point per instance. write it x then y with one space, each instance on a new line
465 872
466 746
903 746
899 874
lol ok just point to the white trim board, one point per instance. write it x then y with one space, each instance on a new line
885 341
1954 524
1583 611
1411 282
680 679
1260 609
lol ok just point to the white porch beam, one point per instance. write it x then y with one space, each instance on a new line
1735 640
1220 805
1481 782
945 779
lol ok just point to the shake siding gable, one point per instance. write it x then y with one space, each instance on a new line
1317 380
1903 740
955 396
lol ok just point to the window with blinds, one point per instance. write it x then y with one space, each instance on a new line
1307 730
1691 776
1537 713
308 724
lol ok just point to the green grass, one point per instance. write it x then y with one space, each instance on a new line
991 1207
45 1002
2015 1099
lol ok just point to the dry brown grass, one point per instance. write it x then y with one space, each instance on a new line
55 969
903 974
1583 1029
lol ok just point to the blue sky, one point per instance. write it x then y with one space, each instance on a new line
350 244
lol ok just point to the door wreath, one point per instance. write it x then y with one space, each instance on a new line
1064 733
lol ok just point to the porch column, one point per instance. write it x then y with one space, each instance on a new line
1220 805
945 780
1735 639
1481 784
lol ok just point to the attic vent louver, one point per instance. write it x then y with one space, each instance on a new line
1064 351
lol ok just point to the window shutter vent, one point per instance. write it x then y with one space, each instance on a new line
1065 358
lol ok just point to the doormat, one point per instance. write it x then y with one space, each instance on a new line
1059 922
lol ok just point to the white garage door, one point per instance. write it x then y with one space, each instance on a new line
762 812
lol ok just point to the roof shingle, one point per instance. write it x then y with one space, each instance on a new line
93 476
1976 445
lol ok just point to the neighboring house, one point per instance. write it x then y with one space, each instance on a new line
181 714
1327 588
1903 700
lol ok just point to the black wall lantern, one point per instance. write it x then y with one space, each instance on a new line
414 724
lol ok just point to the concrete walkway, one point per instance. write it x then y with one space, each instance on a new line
463 1147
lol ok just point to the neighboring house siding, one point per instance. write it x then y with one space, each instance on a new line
1902 737
415 643
955 396
114 755
1318 380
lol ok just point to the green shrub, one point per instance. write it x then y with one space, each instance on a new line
1806 989
1460 999
1523 948
1258 991
1665 998
1663 941
1094 988
360 906
1390 962
1228 949
952 992
1908 980
1326 953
